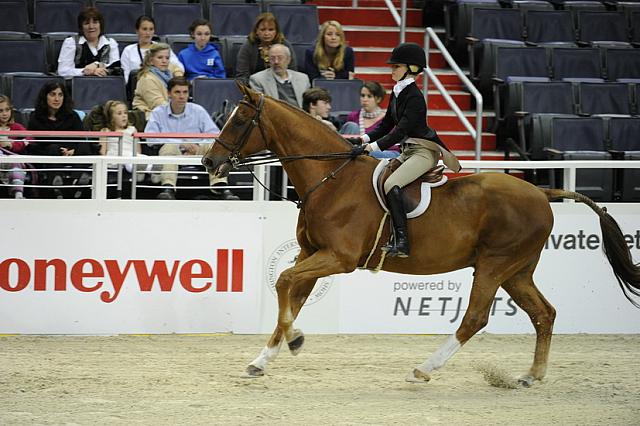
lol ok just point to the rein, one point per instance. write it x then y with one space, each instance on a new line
261 159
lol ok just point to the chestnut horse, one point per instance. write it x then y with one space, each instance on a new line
493 222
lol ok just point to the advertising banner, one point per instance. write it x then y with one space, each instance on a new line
193 267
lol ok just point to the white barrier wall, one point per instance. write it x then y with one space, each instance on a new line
85 267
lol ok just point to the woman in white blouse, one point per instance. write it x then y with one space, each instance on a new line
133 55
89 52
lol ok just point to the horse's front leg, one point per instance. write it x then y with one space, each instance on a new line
293 288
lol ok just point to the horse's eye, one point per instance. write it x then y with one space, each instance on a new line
237 121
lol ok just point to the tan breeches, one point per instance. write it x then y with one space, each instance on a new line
416 160
170 171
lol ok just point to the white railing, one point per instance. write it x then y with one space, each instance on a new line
100 168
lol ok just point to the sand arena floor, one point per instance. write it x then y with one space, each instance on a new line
351 380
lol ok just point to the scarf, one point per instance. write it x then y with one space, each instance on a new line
164 76
401 85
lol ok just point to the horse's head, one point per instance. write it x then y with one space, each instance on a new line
238 137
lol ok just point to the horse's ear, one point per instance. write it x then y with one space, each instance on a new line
248 93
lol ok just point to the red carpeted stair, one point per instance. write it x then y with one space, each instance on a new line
372 32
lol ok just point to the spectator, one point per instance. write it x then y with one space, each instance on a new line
181 116
151 90
254 53
116 116
367 118
133 55
317 102
201 58
53 112
89 52
12 174
331 58
278 81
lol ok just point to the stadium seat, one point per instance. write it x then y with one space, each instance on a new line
574 64
88 91
124 40
527 5
23 88
232 45
623 137
299 50
232 18
634 24
175 18
622 64
603 27
457 18
120 15
345 94
14 16
210 93
298 22
490 28
529 99
581 139
604 98
549 26
53 42
14 59
57 15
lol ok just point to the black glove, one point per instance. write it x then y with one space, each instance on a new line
358 150
355 141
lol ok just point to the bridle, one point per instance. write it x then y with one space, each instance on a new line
246 132
260 159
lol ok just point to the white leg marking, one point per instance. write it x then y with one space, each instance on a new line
267 354
441 356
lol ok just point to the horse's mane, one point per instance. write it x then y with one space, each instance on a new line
312 122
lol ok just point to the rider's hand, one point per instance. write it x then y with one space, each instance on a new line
355 141
359 150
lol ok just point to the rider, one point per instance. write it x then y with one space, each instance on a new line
405 122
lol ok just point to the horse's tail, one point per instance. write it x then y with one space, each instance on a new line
613 244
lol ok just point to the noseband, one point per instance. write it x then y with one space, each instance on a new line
246 132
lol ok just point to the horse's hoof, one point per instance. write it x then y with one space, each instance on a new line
252 372
418 376
526 381
295 345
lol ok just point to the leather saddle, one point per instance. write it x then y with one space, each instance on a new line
411 193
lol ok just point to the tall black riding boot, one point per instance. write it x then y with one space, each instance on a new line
400 246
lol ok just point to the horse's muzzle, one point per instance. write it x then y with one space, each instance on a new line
217 165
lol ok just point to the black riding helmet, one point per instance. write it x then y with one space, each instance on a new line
409 54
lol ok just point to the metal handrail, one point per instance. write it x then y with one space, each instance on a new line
476 133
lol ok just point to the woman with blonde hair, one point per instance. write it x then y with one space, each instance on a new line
253 56
156 71
330 58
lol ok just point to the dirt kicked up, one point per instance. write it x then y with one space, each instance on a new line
351 380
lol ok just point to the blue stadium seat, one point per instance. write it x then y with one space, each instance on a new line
232 18
88 91
175 18
120 15
210 93
23 88
298 22
57 15
573 64
14 16
345 94
14 59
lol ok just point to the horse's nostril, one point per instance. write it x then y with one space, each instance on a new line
206 161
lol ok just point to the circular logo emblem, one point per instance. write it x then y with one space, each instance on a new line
284 257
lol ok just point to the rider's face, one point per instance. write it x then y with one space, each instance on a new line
398 71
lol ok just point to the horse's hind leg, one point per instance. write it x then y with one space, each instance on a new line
523 291
485 286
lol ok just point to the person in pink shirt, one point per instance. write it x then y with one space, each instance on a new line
11 173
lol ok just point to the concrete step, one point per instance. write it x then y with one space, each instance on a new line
367 36
379 16
361 3
463 140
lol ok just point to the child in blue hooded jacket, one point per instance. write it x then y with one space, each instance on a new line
201 58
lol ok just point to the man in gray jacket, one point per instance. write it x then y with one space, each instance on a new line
278 81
